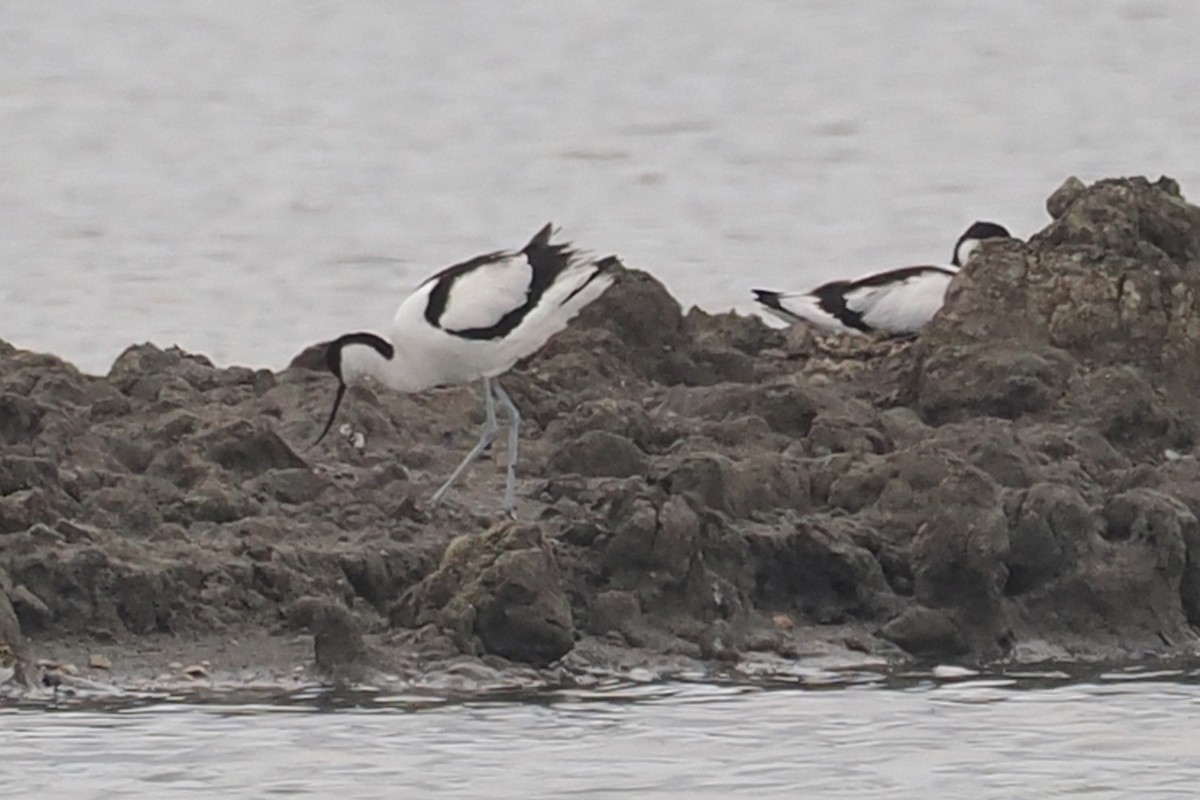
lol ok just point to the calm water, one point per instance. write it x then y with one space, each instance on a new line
1115 736
244 178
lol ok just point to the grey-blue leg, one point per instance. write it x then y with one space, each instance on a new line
514 430
486 437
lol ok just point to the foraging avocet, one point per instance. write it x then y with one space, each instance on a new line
473 321
897 303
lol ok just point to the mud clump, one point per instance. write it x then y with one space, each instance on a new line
339 649
501 591
1021 480
600 453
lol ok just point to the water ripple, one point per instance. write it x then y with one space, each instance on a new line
1113 733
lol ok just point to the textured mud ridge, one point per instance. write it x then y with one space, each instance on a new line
1018 483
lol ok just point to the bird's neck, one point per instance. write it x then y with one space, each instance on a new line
360 361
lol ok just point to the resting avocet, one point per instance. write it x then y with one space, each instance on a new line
897 303
473 321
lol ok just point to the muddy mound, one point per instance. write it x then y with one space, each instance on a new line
1018 482
1099 306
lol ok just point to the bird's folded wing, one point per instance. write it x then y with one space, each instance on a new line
480 297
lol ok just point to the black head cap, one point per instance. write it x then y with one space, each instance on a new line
979 231
985 230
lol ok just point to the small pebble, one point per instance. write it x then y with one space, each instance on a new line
783 622
177 666
99 661
195 671
857 644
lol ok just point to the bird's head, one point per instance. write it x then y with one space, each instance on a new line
348 357
969 242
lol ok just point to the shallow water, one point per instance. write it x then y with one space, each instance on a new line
245 178
1127 734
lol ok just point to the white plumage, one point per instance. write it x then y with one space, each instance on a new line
474 321
897 303
481 296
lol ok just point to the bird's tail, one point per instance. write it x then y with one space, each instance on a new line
769 298
791 307
601 270
773 302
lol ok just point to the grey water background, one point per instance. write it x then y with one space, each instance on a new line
1116 735
245 178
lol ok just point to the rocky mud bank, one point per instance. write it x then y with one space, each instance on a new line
1018 483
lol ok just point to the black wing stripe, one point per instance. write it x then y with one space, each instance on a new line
439 298
546 261
770 298
831 298
601 266
895 276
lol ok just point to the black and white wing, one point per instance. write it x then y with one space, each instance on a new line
896 302
490 296
824 308
901 301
